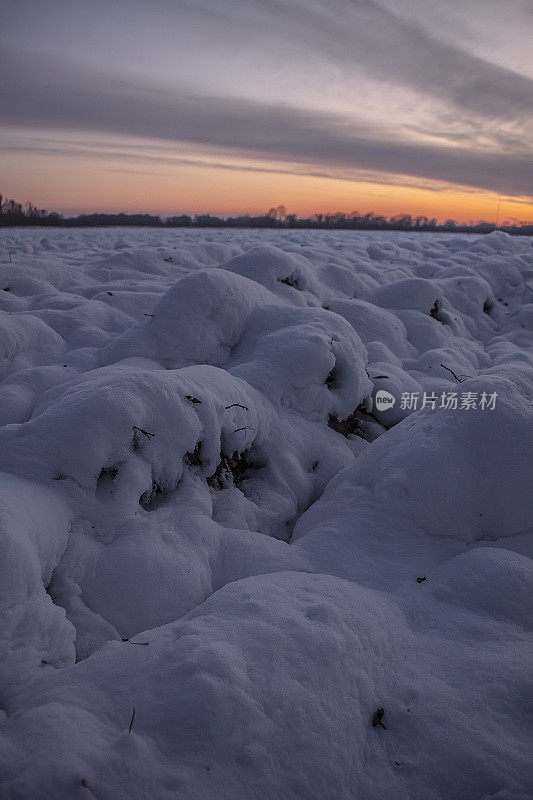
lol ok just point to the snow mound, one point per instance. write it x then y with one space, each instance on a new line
26 341
489 580
288 275
198 320
304 359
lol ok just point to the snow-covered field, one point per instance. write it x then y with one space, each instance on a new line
207 517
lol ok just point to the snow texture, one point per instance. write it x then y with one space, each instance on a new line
220 556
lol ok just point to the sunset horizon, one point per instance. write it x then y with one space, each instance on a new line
468 209
150 178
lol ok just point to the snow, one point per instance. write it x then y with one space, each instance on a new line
206 517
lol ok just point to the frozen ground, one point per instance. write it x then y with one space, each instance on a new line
206 518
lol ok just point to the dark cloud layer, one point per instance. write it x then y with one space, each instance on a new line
43 92
363 33
84 102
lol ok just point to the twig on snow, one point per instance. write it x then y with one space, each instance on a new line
131 721
457 378
244 428
143 644
145 433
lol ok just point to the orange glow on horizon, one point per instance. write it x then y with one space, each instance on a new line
77 185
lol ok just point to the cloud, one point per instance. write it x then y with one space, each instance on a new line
396 42
200 62
364 34
83 101
151 156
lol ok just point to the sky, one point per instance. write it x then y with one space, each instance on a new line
234 106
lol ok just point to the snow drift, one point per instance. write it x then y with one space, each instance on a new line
220 555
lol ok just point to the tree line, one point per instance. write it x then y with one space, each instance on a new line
13 213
